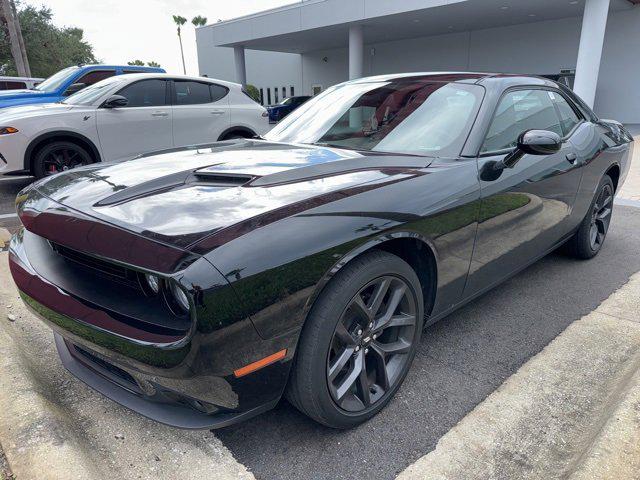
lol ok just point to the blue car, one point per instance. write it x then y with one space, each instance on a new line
285 107
66 82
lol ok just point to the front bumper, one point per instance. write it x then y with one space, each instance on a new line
12 150
158 406
185 382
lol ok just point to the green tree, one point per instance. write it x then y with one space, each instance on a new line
153 64
138 63
199 21
48 47
253 92
179 21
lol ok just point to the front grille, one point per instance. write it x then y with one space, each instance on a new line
112 270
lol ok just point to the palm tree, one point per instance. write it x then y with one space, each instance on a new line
153 64
199 21
179 21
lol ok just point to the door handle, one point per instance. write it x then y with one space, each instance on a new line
217 112
572 157
159 114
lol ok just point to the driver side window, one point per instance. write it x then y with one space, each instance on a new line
518 111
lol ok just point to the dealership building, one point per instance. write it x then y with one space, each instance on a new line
305 47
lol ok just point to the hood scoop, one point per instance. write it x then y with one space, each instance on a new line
175 181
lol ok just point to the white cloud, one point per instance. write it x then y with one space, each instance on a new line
124 30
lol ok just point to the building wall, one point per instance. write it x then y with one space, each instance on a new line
538 48
264 69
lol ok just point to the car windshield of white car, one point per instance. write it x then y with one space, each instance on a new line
88 95
416 116
54 81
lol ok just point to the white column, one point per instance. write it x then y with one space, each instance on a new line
356 52
241 67
356 67
594 23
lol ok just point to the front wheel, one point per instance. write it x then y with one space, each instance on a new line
588 240
359 341
59 156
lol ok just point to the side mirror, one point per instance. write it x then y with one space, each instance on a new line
74 88
115 101
531 142
539 142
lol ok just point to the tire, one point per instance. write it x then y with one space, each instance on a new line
314 386
598 217
66 155
236 135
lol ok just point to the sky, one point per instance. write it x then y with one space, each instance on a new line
125 30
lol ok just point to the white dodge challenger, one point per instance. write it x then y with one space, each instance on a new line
122 117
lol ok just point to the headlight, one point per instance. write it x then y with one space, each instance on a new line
8 130
153 282
180 296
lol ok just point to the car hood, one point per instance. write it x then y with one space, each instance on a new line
37 110
181 197
10 94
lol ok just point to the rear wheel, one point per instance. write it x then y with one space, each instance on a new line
588 240
59 156
359 341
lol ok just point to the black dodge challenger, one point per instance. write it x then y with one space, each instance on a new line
198 285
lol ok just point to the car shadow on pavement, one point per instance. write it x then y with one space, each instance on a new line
460 361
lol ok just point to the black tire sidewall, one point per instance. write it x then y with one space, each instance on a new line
318 332
38 162
583 242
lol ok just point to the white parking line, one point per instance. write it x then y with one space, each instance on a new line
7 215
17 177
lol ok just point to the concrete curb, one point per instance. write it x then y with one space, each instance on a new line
54 427
572 411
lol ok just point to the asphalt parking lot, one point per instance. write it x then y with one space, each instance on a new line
461 360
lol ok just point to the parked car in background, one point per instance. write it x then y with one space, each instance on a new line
285 107
66 82
122 117
199 286
18 83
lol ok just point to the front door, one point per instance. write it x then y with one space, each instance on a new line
143 126
525 211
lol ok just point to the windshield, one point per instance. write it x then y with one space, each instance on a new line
56 80
90 94
286 101
411 115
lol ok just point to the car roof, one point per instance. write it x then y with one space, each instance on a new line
168 76
507 79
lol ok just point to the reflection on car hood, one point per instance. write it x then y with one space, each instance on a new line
33 110
6 94
180 197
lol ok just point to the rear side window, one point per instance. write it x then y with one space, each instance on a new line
218 92
518 111
95 76
11 85
192 93
145 93
568 116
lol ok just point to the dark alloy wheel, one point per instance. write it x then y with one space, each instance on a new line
358 341
588 240
60 156
600 217
371 342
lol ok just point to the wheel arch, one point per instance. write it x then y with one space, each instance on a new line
413 248
614 173
237 129
46 138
